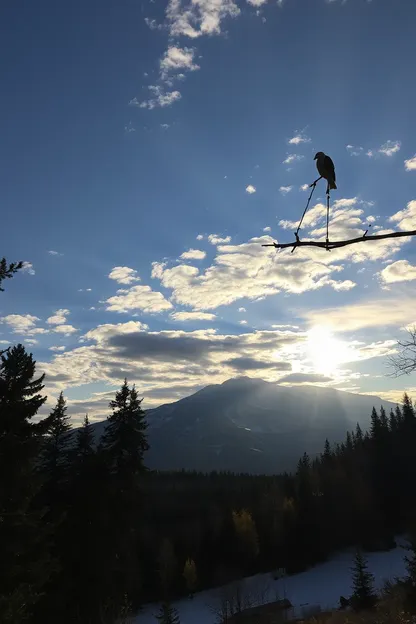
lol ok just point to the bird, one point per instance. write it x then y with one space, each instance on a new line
326 170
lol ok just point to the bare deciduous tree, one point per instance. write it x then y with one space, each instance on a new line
404 362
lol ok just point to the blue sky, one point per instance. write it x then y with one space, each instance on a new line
136 132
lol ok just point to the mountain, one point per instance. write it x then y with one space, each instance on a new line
250 425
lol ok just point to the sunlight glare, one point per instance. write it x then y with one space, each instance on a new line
325 352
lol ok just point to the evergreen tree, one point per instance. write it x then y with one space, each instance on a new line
122 448
55 454
392 422
25 565
84 448
358 434
327 454
8 270
375 427
167 614
384 422
167 566
363 596
124 440
407 409
87 528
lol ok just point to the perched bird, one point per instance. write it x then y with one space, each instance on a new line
326 169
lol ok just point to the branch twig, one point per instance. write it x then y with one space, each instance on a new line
335 244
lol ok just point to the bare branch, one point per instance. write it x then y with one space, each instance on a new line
336 244
405 362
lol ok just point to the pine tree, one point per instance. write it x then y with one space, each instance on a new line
384 422
327 454
124 440
358 434
86 526
348 443
56 448
8 270
84 447
407 409
375 427
392 422
167 566
363 596
167 614
25 565
122 449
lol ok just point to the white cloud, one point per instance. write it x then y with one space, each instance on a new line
59 318
299 137
410 165
389 148
176 58
27 267
247 271
200 237
165 126
399 271
285 189
199 17
24 324
214 239
124 275
152 24
84 289
267 229
242 310
160 98
256 3
243 322
292 158
193 316
250 189
141 298
67 330
406 219
387 312
57 349
355 150
370 153
193 254
54 253
304 187
129 128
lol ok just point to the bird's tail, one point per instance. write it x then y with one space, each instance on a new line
332 185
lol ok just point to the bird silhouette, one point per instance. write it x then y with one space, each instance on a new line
326 170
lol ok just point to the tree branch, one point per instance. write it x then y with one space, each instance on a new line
336 244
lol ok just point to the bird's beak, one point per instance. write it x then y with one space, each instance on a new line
314 157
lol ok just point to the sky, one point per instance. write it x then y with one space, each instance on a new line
149 149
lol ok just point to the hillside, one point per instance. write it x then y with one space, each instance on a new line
250 425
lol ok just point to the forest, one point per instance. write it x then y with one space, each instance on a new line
88 534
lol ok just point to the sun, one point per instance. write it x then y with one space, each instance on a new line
325 352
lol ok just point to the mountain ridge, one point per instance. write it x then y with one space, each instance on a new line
250 425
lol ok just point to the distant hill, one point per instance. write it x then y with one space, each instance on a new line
250 425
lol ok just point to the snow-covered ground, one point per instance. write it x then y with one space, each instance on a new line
321 585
